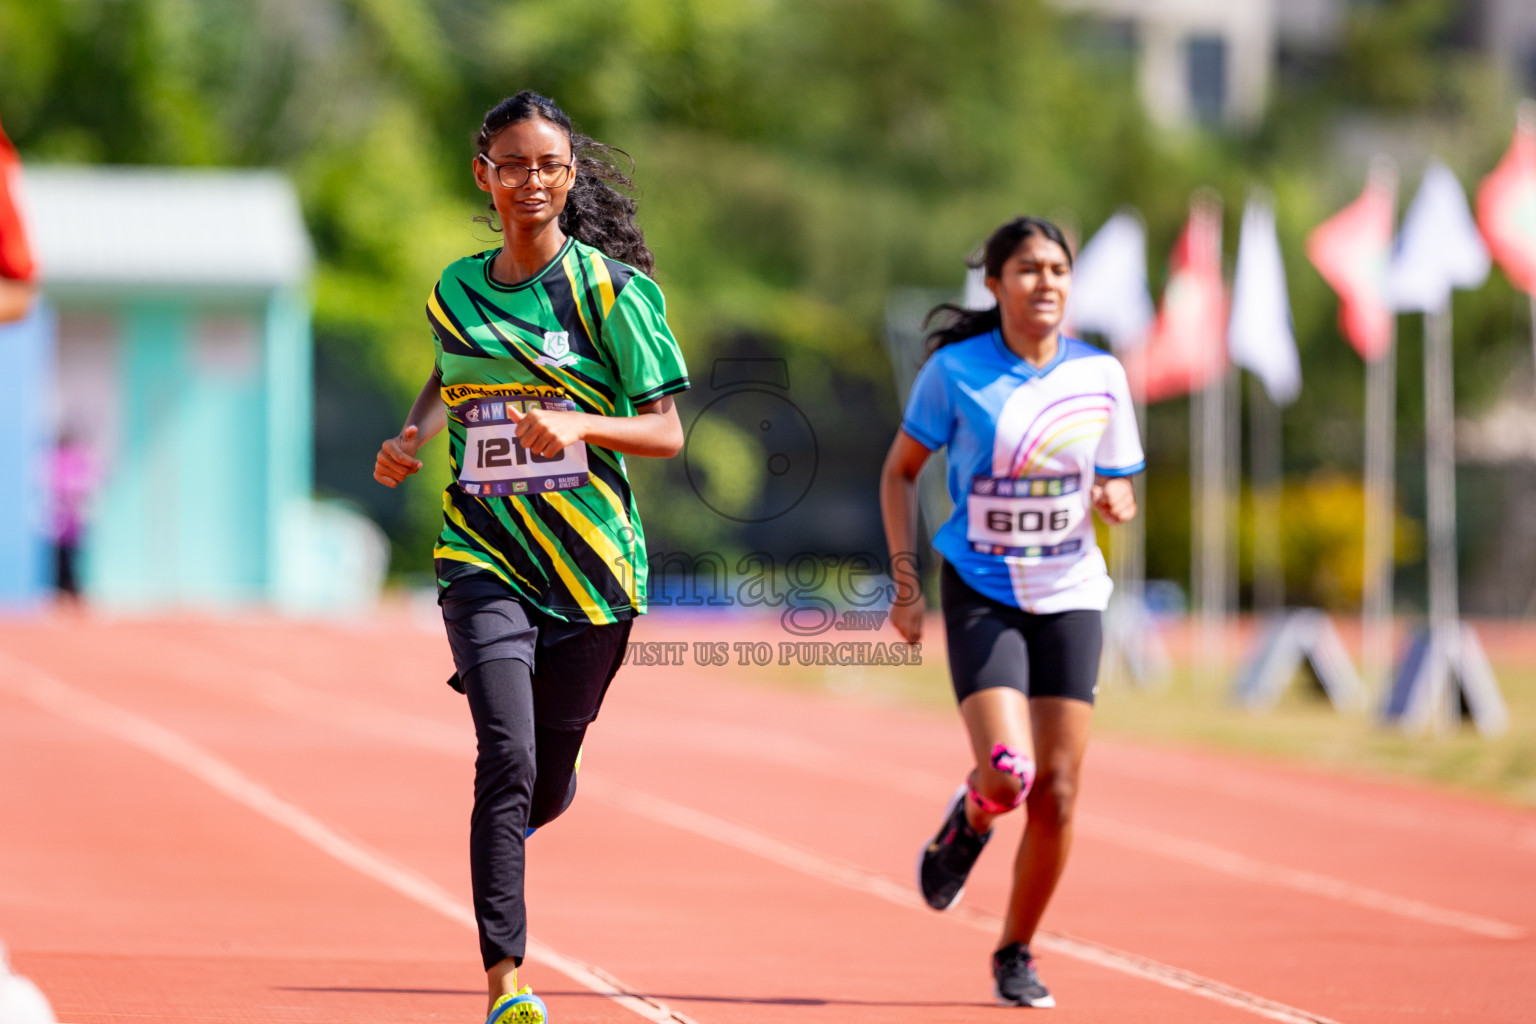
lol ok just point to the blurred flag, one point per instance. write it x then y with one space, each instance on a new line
1109 284
1352 250
15 255
977 296
1259 336
1506 205
1186 349
1438 248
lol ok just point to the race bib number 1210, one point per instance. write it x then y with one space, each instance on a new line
495 465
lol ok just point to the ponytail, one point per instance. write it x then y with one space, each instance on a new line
599 209
955 323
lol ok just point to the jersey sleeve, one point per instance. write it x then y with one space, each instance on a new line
433 320
929 418
650 364
1119 452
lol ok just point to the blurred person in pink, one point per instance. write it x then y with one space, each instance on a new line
71 479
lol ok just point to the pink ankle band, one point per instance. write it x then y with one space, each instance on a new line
1008 761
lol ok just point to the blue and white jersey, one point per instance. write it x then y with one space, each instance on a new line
1024 444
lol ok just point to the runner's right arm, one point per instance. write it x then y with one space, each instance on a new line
898 509
428 416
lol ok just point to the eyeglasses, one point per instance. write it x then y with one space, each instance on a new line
517 175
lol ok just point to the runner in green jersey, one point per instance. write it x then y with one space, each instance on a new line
553 361
586 332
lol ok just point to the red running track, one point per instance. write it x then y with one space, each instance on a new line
241 820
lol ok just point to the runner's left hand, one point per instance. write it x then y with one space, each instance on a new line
1114 497
548 432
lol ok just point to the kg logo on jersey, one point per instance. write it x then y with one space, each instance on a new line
557 349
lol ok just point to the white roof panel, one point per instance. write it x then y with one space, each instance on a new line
124 226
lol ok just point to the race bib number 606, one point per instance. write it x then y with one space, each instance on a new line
1031 517
495 465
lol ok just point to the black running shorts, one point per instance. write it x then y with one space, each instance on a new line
572 663
994 644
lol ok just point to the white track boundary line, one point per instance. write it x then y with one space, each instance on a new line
850 876
1237 865
785 750
78 706
283 695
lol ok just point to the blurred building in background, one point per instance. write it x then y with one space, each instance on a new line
182 363
1214 61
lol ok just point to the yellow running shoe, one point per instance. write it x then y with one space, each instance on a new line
521 1007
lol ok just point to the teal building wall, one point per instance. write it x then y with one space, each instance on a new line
211 446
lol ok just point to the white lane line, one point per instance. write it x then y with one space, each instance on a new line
83 708
1313 797
851 876
786 750
1237 865
281 694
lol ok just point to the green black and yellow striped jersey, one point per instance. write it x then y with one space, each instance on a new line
587 329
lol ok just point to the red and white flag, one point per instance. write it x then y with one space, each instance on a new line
1506 206
15 255
1187 347
1353 251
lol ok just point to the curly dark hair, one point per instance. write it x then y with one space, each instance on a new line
599 210
957 323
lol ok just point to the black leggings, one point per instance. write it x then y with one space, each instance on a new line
529 725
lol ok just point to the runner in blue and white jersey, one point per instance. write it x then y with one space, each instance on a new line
1039 430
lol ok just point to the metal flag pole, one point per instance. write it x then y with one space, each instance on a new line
1380 455
1212 540
1445 667
1380 482
1265 488
1208 430
1128 629
1440 470
1261 340
1231 491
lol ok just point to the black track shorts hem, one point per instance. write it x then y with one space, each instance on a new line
993 644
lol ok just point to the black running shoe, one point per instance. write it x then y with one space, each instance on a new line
1014 980
946 861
